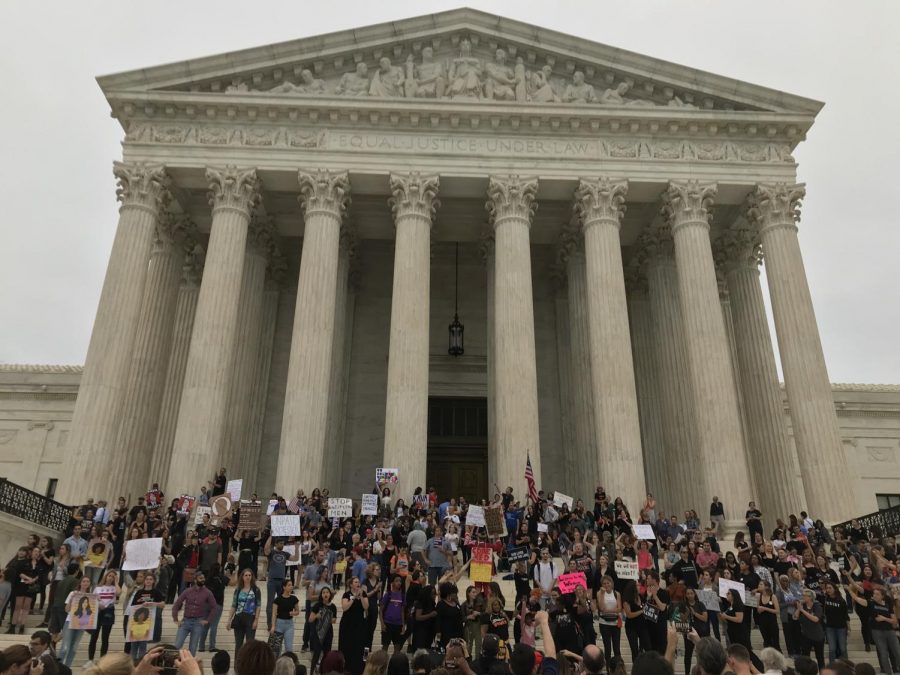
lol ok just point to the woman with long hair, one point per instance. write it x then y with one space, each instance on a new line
609 609
837 618
321 620
767 613
351 640
373 587
245 607
16 660
635 628
73 632
696 616
473 607
108 592
737 629
57 574
377 663
29 569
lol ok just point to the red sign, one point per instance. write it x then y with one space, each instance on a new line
481 554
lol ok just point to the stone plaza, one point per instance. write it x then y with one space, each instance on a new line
300 222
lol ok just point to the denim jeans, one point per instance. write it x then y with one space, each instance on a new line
210 630
69 645
886 644
837 642
138 650
286 626
273 590
435 573
192 628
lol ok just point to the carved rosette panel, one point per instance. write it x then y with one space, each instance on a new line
233 188
600 201
414 195
511 197
775 205
142 185
325 190
688 203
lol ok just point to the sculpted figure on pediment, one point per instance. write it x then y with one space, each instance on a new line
465 74
237 88
308 85
426 80
539 89
500 80
616 96
387 80
355 83
676 102
579 91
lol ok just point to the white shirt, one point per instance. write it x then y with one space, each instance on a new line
545 574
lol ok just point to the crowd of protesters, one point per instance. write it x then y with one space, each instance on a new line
395 574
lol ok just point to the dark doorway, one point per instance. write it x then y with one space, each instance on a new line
457 447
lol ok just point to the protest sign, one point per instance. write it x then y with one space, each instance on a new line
559 499
369 505
482 554
251 516
569 582
542 527
340 507
185 504
494 521
480 572
202 511
286 526
153 498
271 507
83 611
142 554
475 516
726 585
291 549
234 488
420 501
141 623
517 554
220 509
385 475
644 531
625 569
709 599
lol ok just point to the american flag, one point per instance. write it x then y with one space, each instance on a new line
294 505
529 478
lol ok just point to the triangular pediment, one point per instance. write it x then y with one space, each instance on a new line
461 55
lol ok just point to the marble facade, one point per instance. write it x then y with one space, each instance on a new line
611 212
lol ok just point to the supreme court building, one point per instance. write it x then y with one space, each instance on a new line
301 222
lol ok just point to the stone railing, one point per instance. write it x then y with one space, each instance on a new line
33 507
885 523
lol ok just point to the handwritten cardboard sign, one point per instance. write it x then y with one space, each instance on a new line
569 582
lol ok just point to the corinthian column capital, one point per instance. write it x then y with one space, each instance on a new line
688 203
233 188
142 185
656 243
414 195
511 197
738 247
775 205
325 191
261 234
600 201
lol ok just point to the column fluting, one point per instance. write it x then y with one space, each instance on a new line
325 197
95 420
600 204
723 463
774 209
569 454
511 205
487 254
197 450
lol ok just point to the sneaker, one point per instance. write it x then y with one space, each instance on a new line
89 664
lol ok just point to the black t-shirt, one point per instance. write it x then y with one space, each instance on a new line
686 571
754 525
836 613
285 605
880 610
717 509
497 624
143 595
219 485
449 621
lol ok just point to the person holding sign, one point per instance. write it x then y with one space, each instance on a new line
145 600
693 616
278 560
80 615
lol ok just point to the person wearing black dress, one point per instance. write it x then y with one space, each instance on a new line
424 619
738 630
351 637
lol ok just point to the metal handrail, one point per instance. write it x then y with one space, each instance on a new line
33 507
884 523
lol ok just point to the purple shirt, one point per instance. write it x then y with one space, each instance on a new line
392 607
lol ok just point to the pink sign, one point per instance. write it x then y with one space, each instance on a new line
569 582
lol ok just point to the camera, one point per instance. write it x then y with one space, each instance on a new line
167 660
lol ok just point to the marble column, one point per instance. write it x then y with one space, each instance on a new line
569 454
780 491
487 254
336 419
325 197
260 242
182 328
774 209
413 203
723 467
130 474
95 421
511 205
646 375
197 450
585 455
600 204
676 394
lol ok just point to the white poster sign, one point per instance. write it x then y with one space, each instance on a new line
369 505
271 507
291 549
142 554
286 526
386 475
559 499
644 531
726 585
542 527
234 488
200 512
340 507
475 516
626 570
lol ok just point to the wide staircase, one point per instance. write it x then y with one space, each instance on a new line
225 639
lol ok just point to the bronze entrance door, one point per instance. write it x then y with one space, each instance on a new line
457 447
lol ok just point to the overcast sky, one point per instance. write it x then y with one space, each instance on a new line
58 141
